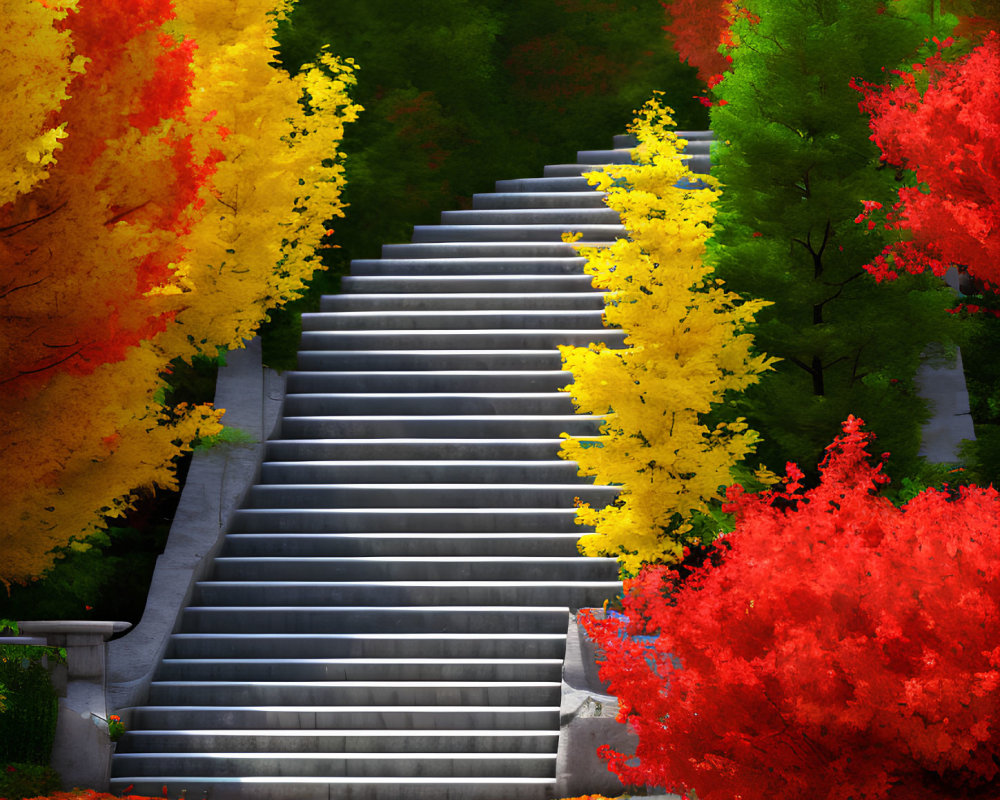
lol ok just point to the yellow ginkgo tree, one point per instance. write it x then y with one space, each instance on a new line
685 348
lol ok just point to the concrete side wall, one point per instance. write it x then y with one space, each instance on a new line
216 484
587 720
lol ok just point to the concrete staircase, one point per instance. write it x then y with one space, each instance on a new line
388 615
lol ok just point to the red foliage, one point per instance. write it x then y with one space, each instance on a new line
839 647
698 28
127 163
949 135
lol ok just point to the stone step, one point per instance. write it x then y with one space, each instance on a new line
517 233
697 163
533 216
412 449
619 155
269 740
537 268
406 520
349 788
545 185
494 200
430 360
359 669
476 403
299 382
427 471
448 338
570 170
354 693
513 284
464 426
572 591
383 321
410 569
628 140
539 249
362 645
623 155
430 495
370 619
388 545
352 765
511 302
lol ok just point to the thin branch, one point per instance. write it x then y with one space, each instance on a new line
798 363
23 372
855 276
836 361
119 217
22 226
22 286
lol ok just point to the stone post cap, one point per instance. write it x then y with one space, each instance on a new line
73 627
38 641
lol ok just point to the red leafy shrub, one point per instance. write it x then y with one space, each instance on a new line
949 135
836 646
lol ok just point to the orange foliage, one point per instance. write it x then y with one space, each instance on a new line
163 186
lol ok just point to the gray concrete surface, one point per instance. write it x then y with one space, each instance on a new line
941 381
586 721
218 480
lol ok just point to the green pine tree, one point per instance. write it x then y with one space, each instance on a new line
796 163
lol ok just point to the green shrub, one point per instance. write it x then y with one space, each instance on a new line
28 723
18 780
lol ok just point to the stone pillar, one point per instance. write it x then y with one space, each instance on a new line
586 721
81 753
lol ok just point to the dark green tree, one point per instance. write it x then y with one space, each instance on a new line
796 164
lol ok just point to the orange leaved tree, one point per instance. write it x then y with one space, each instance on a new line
162 186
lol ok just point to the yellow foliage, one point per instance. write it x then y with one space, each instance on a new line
81 450
684 349
78 446
28 141
266 210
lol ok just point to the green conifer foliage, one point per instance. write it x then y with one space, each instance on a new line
796 164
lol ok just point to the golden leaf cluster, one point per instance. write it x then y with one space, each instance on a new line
685 348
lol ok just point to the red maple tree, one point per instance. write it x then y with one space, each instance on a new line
838 647
949 135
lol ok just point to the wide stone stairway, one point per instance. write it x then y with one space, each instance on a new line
388 615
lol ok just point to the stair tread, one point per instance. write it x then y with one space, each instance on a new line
366 754
567 582
292 779
316 732
427 394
